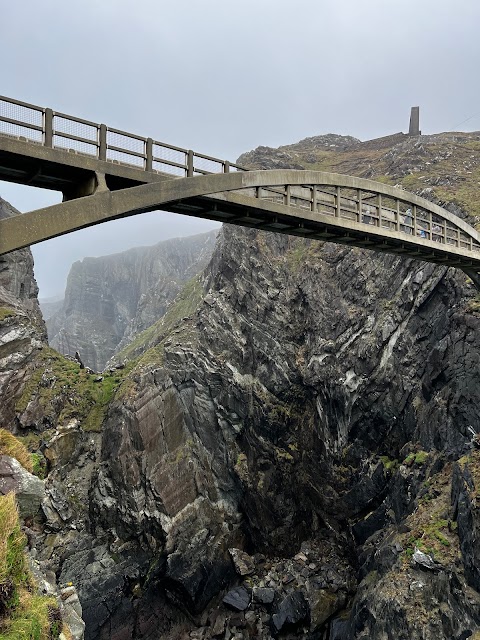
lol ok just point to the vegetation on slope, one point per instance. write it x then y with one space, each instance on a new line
83 395
24 614
6 312
147 349
183 306
10 446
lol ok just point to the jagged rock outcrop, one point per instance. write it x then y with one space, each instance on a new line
109 300
312 372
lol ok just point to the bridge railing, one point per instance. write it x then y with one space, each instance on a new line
61 131
57 130
370 209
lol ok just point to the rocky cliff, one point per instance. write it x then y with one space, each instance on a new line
291 450
109 300
22 330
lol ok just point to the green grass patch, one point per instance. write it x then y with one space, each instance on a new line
83 395
389 464
13 567
6 312
433 537
431 525
417 457
39 465
24 614
10 446
473 305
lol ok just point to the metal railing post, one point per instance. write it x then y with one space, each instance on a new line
397 217
149 154
314 198
414 221
379 203
189 163
337 202
287 195
359 196
48 128
226 167
102 142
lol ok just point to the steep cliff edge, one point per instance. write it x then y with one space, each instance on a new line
109 300
290 451
22 330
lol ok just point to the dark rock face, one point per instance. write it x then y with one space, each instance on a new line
109 300
237 599
302 367
464 487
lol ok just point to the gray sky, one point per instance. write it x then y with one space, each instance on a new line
224 77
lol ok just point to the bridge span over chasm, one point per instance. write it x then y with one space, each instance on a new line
106 174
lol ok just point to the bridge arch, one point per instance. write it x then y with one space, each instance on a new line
313 204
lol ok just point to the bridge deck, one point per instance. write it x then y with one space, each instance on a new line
52 150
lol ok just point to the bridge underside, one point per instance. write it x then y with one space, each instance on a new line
74 174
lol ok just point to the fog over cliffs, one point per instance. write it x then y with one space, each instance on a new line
109 300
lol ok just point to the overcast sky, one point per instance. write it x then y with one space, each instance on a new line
224 77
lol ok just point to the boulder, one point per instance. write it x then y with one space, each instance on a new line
244 564
263 595
238 599
291 611
29 490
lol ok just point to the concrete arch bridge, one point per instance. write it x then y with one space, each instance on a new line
106 174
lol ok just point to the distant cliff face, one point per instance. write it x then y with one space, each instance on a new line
109 300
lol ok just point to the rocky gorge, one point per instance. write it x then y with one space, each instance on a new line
290 451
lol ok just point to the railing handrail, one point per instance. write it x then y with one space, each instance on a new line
95 142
